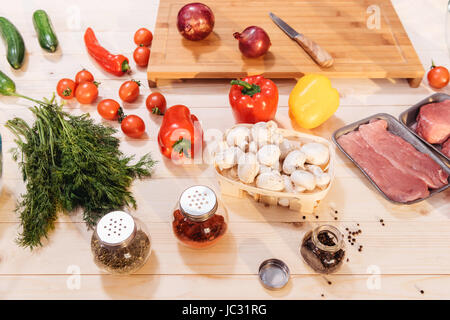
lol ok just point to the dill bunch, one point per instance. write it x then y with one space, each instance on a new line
69 162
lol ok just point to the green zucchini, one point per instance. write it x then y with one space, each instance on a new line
15 48
43 26
7 86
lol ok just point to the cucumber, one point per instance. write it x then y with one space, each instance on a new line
43 26
7 86
15 48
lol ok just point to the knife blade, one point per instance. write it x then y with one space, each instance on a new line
319 54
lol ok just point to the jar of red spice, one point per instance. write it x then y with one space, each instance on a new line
199 218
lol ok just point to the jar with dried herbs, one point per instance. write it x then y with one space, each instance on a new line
323 249
120 243
199 218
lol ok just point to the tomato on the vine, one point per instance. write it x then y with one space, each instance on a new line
438 77
143 36
86 92
66 88
129 90
133 126
141 55
84 76
156 103
108 109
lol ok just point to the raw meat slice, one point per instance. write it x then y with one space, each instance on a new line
396 184
402 154
433 122
446 148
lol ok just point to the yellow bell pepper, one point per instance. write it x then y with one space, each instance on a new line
312 101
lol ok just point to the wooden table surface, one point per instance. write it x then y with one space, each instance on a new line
409 254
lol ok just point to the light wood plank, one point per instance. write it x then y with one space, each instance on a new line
220 287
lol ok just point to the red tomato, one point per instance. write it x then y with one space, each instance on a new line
141 55
108 109
66 88
133 126
438 76
129 90
86 93
156 103
143 36
84 76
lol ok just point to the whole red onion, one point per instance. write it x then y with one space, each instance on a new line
253 41
195 21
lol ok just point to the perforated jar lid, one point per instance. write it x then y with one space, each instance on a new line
116 228
198 203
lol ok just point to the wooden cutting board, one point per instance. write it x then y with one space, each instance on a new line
365 38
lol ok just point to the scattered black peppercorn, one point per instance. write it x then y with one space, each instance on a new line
322 295
335 211
304 217
329 282
317 217
335 218
422 292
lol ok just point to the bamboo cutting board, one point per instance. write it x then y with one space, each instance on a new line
365 38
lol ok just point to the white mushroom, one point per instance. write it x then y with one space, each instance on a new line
322 180
270 181
288 185
228 158
248 167
264 169
315 170
253 147
299 189
276 138
316 153
294 160
304 179
238 136
269 155
262 132
277 166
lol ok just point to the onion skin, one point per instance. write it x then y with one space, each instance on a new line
253 41
195 21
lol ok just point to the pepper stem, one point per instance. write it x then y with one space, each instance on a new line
249 89
432 64
182 146
125 66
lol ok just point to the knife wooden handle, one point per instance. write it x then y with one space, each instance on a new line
319 54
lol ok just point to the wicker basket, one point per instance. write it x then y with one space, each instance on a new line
304 202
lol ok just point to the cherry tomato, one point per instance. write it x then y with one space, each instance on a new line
108 109
66 88
84 76
438 76
133 126
143 36
156 103
141 55
129 90
86 93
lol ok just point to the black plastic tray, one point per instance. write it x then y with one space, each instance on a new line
398 129
409 116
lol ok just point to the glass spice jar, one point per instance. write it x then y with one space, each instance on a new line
199 218
323 249
120 243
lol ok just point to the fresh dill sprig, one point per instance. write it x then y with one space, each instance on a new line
69 162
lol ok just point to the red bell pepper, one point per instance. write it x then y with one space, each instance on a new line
180 135
115 64
253 99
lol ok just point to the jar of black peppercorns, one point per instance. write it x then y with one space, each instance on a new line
323 249
199 218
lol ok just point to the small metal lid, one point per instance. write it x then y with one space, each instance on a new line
198 203
116 228
274 274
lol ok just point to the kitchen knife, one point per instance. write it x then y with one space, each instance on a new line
319 54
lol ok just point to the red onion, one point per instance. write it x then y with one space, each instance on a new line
253 42
195 21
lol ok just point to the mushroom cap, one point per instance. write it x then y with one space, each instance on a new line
270 181
316 153
304 179
293 161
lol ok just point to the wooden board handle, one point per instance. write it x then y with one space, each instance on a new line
319 54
